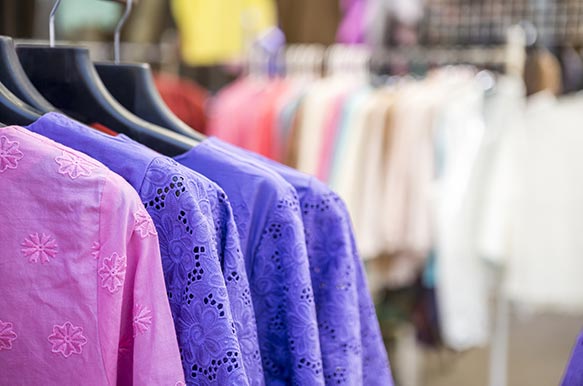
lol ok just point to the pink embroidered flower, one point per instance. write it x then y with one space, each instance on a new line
180 383
67 339
7 335
9 154
142 319
96 250
39 248
112 272
143 224
73 166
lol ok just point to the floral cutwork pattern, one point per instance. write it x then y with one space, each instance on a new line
144 225
67 339
112 272
142 319
9 154
39 247
73 166
7 335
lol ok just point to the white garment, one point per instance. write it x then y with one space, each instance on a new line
542 246
461 292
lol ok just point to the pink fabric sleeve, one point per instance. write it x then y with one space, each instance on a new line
141 344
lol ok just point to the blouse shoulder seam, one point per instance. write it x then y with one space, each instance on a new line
106 180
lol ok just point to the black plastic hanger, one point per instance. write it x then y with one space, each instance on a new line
133 86
14 111
66 76
14 78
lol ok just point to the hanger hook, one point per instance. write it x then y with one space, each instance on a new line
116 37
52 23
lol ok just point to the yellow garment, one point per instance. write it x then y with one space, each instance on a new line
214 31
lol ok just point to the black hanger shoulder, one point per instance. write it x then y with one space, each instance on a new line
12 75
66 76
133 86
14 111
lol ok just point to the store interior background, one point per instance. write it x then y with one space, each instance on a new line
539 344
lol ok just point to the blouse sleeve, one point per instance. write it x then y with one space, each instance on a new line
283 299
138 339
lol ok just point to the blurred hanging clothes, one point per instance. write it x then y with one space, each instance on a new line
214 32
536 183
352 27
185 98
255 129
460 141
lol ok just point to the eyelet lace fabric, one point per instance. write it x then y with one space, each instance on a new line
283 297
193 250
353 351
352 346
333 276
268 217
234 272
178 201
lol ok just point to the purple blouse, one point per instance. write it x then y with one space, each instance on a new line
574 373
201 256
353 350
268 216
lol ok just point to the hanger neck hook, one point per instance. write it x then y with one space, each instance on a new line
116 41
52 23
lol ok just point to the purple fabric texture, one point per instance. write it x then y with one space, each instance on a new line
201 256
268 217
353 350
574 372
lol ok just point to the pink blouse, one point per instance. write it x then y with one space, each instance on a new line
83 299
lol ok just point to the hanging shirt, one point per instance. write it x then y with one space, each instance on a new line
217 336
353 350
461 158
351 115
83 296
269 220
536 183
